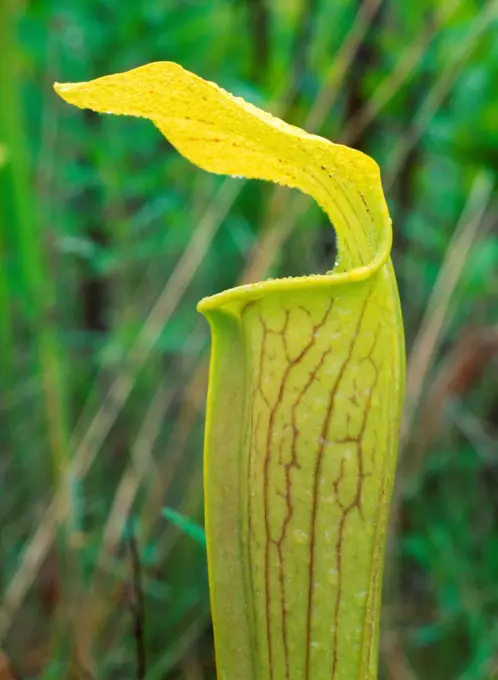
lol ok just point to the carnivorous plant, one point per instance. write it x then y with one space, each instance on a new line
304 400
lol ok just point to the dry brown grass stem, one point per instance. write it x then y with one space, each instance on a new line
439 309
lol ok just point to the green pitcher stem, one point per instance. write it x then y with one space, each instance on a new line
299 466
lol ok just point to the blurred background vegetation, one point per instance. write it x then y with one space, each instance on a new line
108 239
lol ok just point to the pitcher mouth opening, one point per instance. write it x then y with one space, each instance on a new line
238 296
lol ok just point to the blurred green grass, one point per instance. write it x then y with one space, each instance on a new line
108 239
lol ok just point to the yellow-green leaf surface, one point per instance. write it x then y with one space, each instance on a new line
304 398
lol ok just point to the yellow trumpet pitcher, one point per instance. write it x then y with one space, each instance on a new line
304 400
